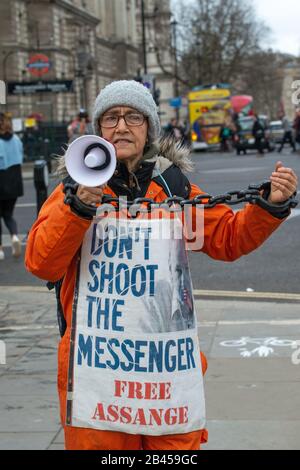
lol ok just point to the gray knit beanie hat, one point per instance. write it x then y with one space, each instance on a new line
128 93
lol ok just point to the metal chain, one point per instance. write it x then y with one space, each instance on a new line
251 195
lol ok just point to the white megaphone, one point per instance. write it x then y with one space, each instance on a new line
91 160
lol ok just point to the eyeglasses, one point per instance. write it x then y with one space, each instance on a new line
108 121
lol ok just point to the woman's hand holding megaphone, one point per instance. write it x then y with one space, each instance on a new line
90 196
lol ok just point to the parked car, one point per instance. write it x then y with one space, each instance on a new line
244 139
276 131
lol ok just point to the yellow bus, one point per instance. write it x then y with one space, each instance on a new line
209 108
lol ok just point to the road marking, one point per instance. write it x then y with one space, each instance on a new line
235 170
249 295
26 289
26 204
209 324
31 328
200 324
263 345
198 293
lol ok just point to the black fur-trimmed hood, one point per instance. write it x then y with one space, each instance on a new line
166 152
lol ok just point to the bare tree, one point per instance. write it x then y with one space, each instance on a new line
216 38
221 41
262 77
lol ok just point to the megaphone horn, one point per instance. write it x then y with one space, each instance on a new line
91 160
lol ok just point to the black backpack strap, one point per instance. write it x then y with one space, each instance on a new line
62 325
174 181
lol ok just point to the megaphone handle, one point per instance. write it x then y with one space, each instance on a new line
80 208
70 190
68 198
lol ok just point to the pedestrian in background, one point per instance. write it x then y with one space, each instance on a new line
258 132
186 132
175 130
225 137
81 125
296 127
288 133
11 184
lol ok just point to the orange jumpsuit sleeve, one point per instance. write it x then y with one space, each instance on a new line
54 238
228 235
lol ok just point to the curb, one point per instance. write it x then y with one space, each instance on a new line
198 294
247 296
26 175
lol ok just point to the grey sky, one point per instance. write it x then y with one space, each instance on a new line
283 17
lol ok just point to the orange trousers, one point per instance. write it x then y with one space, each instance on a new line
89 439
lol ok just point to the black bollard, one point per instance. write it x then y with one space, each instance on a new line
41 182
47 155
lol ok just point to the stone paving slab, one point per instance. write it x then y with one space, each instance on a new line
253 400
39 385
38 360
251 370
15 314
206 339
59 439
25 440
210 311
34 413
251 310
258 330
14 352
253 435
56 447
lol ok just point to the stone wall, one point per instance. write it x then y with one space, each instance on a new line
88 41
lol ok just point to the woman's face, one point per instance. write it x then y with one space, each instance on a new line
129 140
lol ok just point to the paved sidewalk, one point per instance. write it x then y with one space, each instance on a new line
28 397
28 169
252 387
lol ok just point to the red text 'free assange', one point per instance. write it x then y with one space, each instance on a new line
141 416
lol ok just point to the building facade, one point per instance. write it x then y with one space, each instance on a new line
55 55
159 60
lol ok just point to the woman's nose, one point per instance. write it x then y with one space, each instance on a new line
122 124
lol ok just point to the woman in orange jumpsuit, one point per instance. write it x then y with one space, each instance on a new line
126 115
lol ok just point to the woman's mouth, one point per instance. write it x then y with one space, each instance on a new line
122 142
